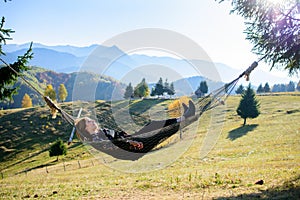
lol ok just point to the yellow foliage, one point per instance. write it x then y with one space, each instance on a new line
26 101
175 109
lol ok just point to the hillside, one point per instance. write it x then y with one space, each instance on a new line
265 151
97 87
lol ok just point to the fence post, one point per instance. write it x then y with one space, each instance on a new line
64 166
79 164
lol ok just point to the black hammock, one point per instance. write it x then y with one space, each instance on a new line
156 132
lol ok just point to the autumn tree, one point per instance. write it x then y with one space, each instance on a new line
274 29
62 92
49 91
142 89
26 101
249 105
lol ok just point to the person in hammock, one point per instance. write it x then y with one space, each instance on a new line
88 130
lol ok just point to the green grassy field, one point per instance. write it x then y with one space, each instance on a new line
267 149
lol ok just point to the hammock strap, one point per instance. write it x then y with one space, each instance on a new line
48 101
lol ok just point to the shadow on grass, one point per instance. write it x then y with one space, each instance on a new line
241 131
288 190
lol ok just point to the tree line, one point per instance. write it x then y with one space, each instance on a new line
142 89
290 87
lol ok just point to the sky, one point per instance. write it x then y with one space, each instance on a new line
87 22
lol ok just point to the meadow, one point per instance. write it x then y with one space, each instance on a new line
258 161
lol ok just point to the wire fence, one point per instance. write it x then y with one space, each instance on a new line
57 168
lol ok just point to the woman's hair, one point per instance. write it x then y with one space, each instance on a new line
81 131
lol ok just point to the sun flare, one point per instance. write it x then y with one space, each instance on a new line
276 2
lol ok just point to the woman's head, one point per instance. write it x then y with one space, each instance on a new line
85 128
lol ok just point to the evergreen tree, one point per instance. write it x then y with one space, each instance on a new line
260 89
58 148
8 79
166 86
240 89
49 91
273 30
171 90
290 87
142 89
159 88
249 105
62 92
202 89
128 92
152 92
282 88
267 88
26 101
298 86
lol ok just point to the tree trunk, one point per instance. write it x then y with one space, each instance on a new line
244 121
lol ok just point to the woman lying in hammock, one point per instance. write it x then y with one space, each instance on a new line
140 142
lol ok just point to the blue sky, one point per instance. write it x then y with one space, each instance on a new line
82 23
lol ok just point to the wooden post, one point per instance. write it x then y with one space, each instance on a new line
64 166
79 164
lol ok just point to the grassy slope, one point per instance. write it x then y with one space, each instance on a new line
266 149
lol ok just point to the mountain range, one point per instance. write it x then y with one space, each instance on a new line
126 67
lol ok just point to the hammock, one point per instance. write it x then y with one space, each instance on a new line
154 133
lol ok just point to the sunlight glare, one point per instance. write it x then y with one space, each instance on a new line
276 2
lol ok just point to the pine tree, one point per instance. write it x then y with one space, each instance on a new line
49 91
260 89
128 92
171 90
8 76
202 89
62 92
249 105
267 88
26 101
273 30
290 87
159 88
240 89
58 148
298 86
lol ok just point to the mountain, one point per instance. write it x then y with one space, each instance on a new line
113 62
76 51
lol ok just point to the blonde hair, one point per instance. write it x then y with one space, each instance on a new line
81 131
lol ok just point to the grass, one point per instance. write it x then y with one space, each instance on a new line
266 149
